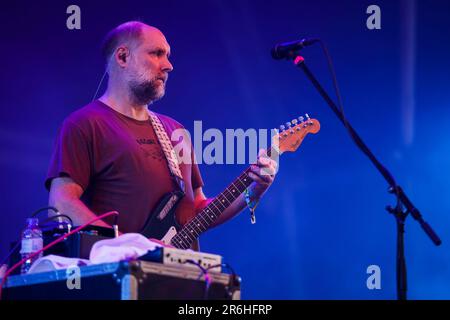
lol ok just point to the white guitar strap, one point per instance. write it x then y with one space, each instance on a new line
167 148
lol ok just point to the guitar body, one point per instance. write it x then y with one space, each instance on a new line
162 224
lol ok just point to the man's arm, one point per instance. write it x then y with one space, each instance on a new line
65 196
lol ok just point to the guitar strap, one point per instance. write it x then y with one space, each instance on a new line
169 152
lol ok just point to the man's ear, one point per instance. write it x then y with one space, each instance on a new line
122 54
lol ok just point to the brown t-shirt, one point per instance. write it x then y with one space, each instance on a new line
120 165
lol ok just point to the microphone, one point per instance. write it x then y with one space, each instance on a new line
288 50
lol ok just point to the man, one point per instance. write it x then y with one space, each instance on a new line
107 156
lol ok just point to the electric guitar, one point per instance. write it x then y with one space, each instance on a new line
162 223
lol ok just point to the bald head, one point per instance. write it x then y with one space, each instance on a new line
130 34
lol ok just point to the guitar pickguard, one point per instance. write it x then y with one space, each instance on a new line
169 235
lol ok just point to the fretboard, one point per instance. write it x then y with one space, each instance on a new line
205 218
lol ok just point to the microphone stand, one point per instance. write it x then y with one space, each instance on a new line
402 200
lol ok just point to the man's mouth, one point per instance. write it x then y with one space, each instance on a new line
162 79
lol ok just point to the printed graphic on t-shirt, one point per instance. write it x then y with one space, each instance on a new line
151 148
145 141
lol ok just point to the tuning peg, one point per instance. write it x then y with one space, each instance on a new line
301 119
307 116
288 125
294 122
282 127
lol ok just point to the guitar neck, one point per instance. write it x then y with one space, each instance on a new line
203 220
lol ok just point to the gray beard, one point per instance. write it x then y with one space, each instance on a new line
144 92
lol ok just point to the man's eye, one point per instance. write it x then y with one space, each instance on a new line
157 53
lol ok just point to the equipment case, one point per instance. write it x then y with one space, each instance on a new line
125 280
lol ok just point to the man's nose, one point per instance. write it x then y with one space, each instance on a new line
167 66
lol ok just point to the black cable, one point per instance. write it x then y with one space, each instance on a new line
42 209
356 139
233 276
57 217
335 83
205 273
398 212
223 265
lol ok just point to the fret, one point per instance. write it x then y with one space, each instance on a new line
186 236
206 216
223 199
211 210
231 198
196 224
234 190
199 225
217 201
191 228
245 180
181 244
184 245
241 186
200 215
178 242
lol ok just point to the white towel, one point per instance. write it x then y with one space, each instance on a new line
126 246
53 262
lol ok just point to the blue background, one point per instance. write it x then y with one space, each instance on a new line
323 222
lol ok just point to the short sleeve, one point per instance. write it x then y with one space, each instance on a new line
71 156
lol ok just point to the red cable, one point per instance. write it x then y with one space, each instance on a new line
18 264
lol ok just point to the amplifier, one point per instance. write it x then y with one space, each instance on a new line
76 246
125 280
175 256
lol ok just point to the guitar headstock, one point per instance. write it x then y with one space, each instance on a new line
291 135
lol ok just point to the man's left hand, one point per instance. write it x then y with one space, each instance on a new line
263 173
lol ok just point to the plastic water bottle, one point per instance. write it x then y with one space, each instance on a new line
31 242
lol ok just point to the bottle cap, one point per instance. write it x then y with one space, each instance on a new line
32 222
